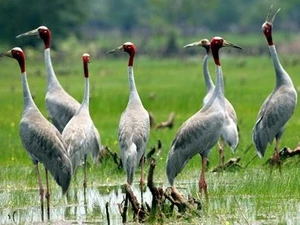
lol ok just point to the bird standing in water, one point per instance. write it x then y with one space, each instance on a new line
41 139
230 134
134 126
201 131
80 134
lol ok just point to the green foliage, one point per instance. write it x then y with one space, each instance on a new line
89 19
62 17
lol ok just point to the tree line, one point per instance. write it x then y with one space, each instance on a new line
189 16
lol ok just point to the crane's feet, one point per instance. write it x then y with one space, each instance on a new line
276 160
203 187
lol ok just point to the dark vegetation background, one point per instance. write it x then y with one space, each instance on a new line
157 25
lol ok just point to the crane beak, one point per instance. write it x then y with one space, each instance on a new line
34 32
120 48
192 44
228 44
8 54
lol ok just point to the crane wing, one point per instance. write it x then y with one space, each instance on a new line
273 115
231 112
45 145
82 138
134 127
196 136
61 107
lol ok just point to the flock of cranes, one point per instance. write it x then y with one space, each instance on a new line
62 145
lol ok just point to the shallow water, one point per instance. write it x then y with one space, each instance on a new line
23 206
71 209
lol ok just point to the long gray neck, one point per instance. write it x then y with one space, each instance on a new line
86 97
28 100
133 95
208 82
219 90
281 75
218 93
51 77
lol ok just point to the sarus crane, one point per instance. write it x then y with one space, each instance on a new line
200 132
80 134
134 127
41 139
230 134
278 107
61 106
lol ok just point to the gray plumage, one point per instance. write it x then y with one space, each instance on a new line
134 125
80 134
40 138
133 135
230 131
202 131
198 134
279 106
61 106
44 144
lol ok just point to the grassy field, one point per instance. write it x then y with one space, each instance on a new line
248 196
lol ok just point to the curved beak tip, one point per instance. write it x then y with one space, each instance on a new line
20 35
29 33
114 50
111 51
238 47
191 45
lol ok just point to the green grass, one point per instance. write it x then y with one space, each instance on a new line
164 85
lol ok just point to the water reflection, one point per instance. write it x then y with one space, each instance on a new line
22 207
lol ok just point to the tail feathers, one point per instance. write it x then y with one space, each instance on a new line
231 135
62 172
130 162
98 147
75 160
95 154
261 141
175 163
64 179
232 141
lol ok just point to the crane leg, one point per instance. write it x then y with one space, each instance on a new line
276 157
202 182
124 215
47 195
41 190
84 175
221 144
142 182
